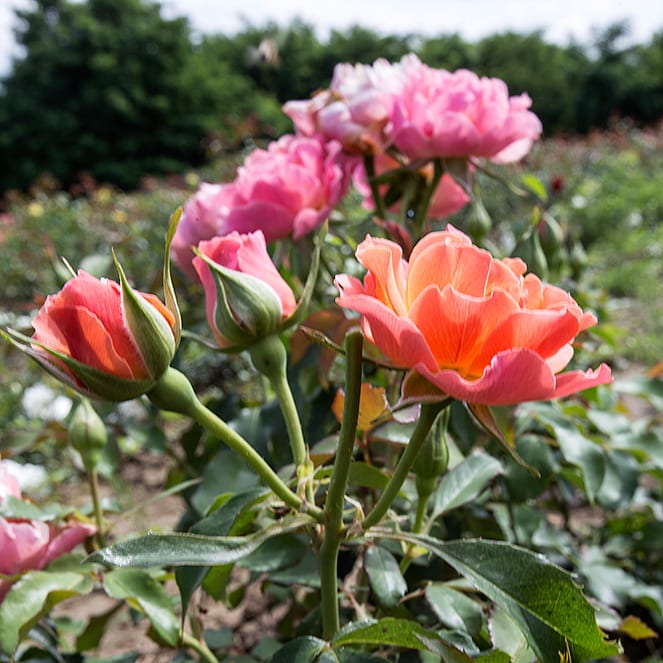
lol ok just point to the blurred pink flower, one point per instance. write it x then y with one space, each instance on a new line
287 190
32 544
6 223
443 114
357 106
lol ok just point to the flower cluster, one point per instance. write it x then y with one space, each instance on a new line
287 190
477 328
31 544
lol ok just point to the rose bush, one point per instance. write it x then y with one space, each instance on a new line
32 544
476 327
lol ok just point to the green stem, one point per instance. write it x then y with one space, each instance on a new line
378 203
422 209
174 392
270 358
93 481
338 483
199 647
429 412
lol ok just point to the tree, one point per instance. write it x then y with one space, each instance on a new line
109 87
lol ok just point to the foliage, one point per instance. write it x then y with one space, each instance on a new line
539 538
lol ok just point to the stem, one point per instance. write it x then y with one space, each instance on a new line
429 412
93 481
284 395
422 209
199 647
338 483
378 203
270 358
174 392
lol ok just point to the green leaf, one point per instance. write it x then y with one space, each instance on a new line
278 553
95 629
367 476
455 609
31 598
219 523
388 631
149 595
576 447
301 650
543 600
507 636
384 576
191 549
533 183
168 288
465 482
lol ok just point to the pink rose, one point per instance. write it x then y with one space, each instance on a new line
246 297
201 218
477 328
287 190
32 544
443 114
449 197
357 106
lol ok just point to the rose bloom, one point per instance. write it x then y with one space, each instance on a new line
287 190
477 328
449 197
245 254
443 114
88 323
32 544
357 106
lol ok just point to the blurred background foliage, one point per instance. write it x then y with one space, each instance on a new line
113 89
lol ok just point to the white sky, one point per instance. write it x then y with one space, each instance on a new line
473 19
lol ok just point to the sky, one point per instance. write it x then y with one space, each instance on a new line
561 20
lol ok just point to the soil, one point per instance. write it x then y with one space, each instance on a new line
144 476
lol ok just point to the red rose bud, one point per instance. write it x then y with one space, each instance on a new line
103 338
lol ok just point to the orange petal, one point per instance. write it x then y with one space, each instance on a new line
455 325
384 261
465 268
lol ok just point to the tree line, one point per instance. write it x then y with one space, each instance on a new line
113 89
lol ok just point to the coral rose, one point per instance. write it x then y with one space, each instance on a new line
444 114
477 328
32 544
103 338
246 297
287 190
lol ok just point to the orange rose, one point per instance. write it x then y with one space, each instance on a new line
476 327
